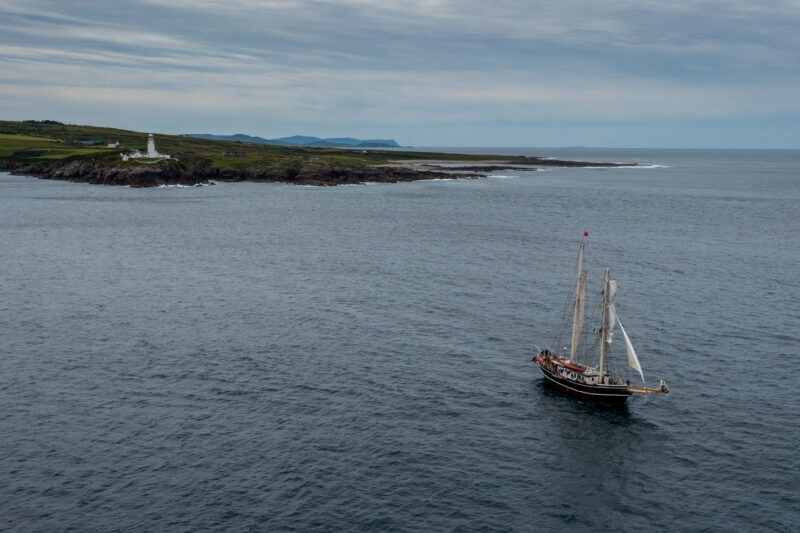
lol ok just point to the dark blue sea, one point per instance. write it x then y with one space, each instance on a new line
270 357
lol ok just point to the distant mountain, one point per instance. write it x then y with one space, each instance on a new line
295 140
302 140
241 137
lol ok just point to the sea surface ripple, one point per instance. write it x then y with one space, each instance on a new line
266 357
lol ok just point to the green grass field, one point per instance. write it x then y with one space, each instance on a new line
31 142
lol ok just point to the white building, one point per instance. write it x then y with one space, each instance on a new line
151 152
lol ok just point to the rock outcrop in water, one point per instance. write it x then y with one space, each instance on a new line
538 162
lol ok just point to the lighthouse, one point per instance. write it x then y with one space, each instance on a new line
151 152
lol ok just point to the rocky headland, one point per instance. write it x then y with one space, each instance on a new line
48 149
87 171
173 173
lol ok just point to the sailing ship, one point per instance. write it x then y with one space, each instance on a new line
571 371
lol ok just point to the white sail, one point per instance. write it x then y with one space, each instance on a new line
612 321
612 311
577 316
633 361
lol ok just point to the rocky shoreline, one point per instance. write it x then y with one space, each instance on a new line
516 164
156 175
88 171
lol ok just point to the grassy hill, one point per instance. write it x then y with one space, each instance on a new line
45 142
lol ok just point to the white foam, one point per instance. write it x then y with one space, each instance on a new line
626 166
180 185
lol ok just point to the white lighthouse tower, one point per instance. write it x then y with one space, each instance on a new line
151 152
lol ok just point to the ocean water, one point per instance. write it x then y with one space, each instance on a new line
267 357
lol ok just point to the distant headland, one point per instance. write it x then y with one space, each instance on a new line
302 140
51 150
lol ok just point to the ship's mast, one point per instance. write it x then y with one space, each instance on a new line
577 316
603 328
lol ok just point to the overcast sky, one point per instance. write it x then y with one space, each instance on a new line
625 73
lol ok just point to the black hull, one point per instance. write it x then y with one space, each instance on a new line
615 395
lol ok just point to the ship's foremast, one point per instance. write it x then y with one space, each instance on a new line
577 315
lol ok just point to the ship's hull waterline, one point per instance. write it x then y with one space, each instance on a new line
614 395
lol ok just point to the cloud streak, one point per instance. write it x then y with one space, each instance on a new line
376 67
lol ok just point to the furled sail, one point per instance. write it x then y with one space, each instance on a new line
633 361
577 316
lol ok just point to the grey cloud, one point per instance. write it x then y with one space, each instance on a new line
391 62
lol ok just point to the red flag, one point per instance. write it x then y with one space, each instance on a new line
585 233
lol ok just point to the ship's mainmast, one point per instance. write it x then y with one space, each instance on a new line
603 328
